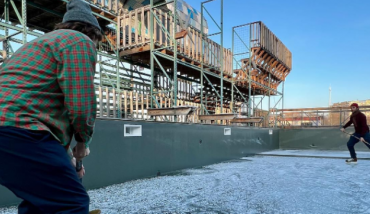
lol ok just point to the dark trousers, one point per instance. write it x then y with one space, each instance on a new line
37 169
352 142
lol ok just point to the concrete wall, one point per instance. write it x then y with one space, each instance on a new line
317 138
163 147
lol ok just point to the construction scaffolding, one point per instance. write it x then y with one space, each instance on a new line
260 63
159 54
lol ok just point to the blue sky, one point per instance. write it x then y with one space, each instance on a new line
329 40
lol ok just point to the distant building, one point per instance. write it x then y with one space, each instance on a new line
304 119
346 115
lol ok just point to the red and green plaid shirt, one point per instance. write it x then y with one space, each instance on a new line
48 84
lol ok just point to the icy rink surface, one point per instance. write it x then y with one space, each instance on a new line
259 184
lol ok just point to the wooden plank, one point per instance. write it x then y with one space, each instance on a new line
144 48
171 30
149 24
160 29
129 28
125 103
100 102
136 27
114 104
124 20
181 34
142 106
118 34
155 36
120 104
147 105
132 104
188 45
179 43
169 111
196 45
117 6
166 26
107 101
142 25
247 120
217 117
137 104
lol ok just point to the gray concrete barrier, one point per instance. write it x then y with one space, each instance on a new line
163 147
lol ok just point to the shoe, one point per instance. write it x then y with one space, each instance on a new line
351 161
95 212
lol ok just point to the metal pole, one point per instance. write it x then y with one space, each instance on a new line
24 17
249 73
282 102
6 43
269 96
175 59
317 118
222 56
301 118
100 72
118 30
152 52
202 61
254 104
275 117
232 68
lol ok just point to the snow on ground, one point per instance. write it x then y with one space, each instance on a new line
251 185
316 153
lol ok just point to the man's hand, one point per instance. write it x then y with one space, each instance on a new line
362 139
80 151
342 129
80 173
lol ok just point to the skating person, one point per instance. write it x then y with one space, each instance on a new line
358 119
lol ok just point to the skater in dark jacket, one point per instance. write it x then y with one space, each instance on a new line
47 95
358 119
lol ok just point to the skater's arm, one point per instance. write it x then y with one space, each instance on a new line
76 79
348 123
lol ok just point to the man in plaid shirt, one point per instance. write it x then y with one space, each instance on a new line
46 96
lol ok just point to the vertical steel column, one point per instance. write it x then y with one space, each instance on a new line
24 17
222 56
254 104
175 58
301 118
100 72
232 70
282 101
151 52
249 73
317 118
5 42
269 97
201 61
118 42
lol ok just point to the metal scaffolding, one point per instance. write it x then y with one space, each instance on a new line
196 59
260 70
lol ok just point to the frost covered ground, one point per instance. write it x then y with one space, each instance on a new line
259 184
